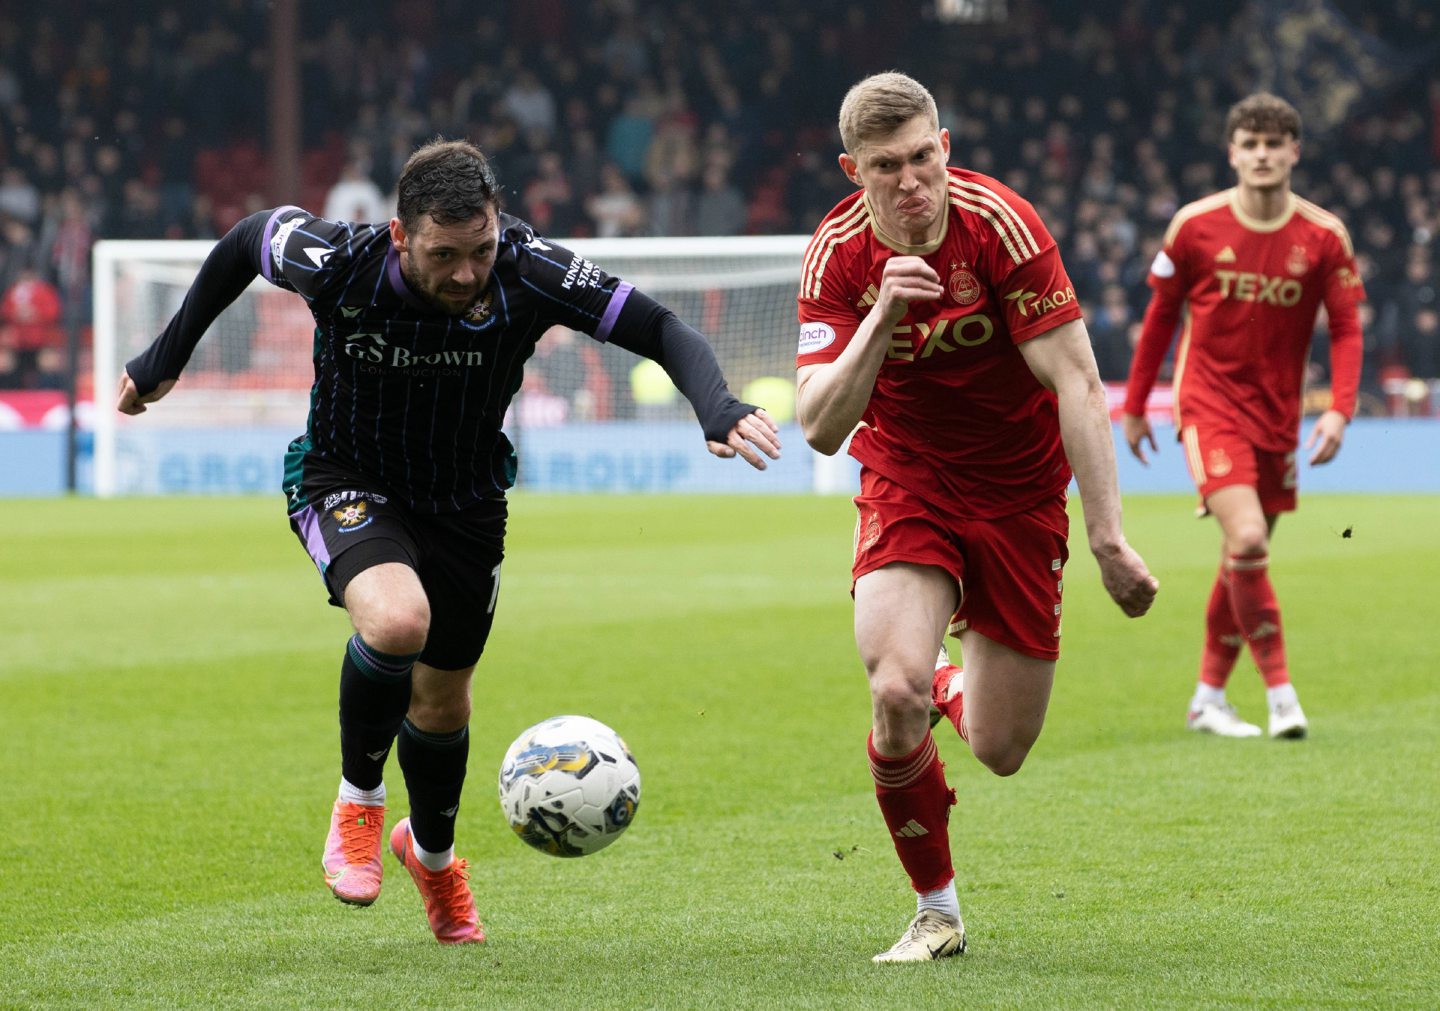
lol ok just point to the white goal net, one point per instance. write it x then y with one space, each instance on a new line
588 418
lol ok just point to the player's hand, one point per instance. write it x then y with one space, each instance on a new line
906 279
754 431
1326 436
129 400
1127 580
1136 428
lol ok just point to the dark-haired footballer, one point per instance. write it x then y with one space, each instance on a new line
397 487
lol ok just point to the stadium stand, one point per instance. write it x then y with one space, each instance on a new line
647 117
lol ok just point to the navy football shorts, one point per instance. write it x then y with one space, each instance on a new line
457 557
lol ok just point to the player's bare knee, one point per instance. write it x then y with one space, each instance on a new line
399 630
895 696
1002 756
1250 540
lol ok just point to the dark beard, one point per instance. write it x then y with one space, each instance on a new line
418 289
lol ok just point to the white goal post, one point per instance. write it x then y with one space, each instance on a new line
588 418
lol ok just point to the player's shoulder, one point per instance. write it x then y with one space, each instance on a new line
847 219
300 244
521 245
1216 205
986 207
1321 220
837 238
967 181
515 231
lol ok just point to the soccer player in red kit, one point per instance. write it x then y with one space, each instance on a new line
1253 264
936 315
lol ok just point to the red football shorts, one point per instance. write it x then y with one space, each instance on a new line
1009 571
1218 458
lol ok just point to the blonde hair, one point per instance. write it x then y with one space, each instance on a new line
879 105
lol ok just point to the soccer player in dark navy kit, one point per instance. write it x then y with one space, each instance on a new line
397 487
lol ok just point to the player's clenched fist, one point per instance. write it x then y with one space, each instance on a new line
906 279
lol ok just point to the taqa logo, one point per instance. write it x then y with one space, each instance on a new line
814 336
1030 304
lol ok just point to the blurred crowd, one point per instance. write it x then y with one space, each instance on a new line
674 117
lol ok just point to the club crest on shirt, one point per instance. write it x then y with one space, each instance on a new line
481 309
1218 463
1297 262
964 286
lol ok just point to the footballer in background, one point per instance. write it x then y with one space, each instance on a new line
1253 264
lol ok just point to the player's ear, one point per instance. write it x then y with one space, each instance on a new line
850 167
945 145
397 235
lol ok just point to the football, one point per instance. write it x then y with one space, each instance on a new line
569 786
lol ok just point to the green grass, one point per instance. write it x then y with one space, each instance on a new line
167 727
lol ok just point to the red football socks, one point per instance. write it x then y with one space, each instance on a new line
916 804
1257 613
1223 639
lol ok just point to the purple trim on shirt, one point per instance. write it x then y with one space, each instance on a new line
308 520
267 262
612 311
397 281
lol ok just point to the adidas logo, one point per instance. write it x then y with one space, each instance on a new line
1226 255
911 830
868 299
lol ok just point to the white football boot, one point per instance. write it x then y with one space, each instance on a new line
1220 718
1287 720
931 935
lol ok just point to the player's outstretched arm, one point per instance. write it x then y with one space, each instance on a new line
1062 361
752 435
731 428
226 272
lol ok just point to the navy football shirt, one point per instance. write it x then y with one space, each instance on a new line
404 393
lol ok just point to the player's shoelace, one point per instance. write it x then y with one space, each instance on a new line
359 842
450 890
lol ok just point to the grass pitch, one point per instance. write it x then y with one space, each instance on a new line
167 711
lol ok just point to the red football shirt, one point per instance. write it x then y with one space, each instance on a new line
1253 289
956 414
